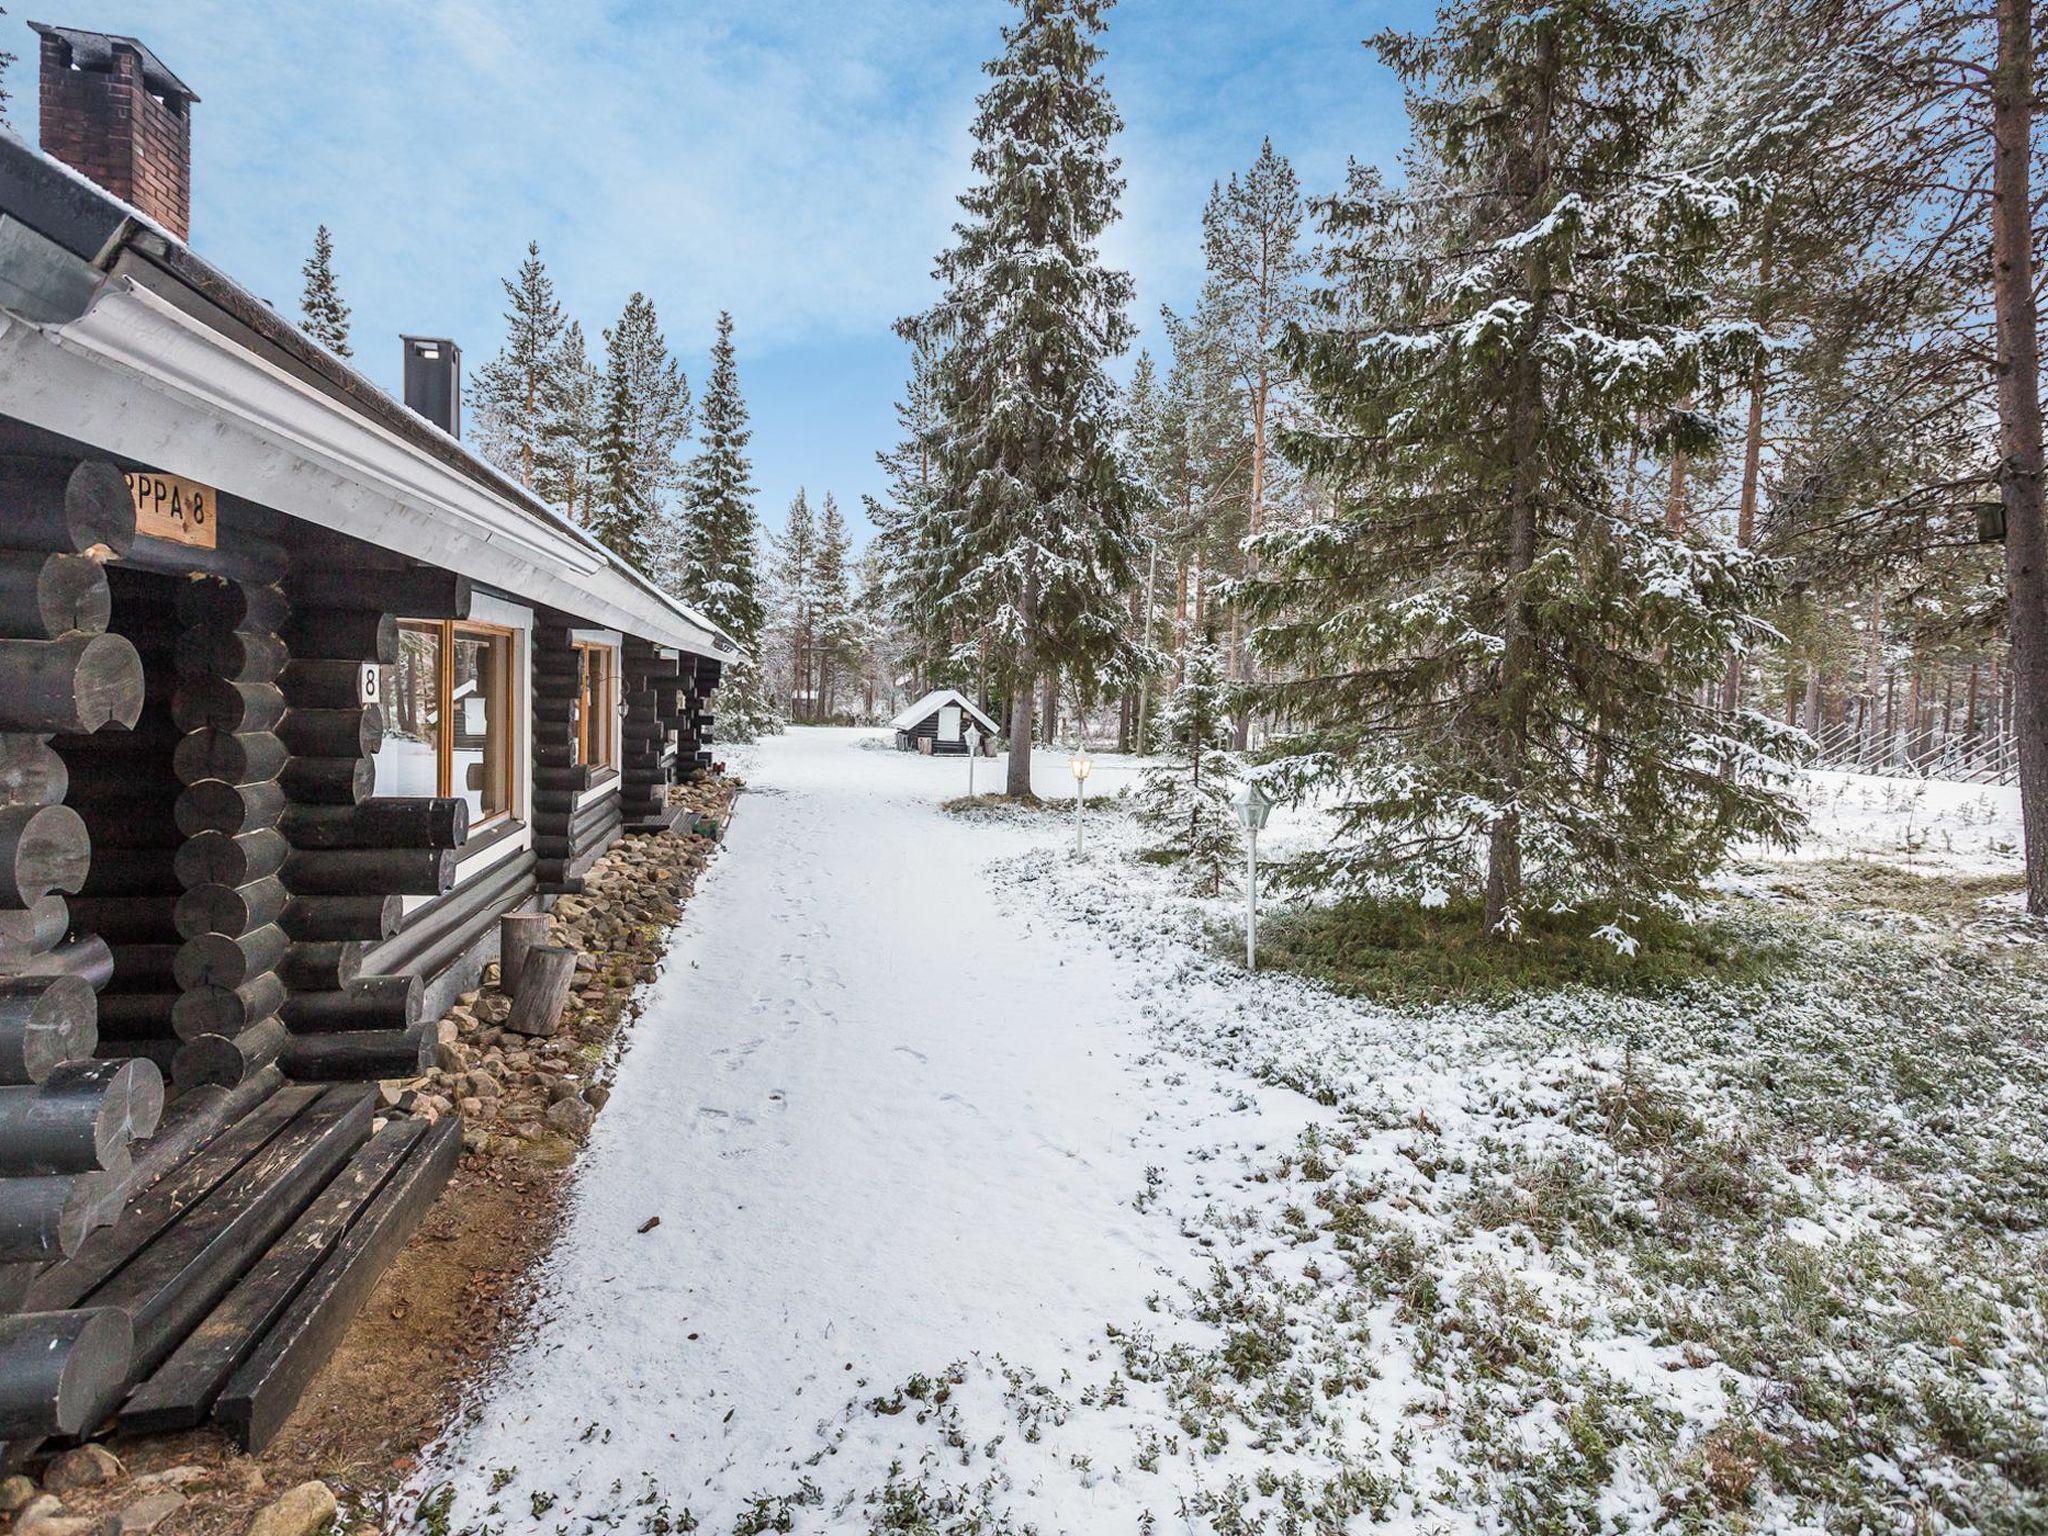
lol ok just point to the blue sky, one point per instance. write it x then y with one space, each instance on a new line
794 161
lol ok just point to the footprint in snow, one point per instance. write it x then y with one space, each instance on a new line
917 1056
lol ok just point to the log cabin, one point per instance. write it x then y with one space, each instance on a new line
943 718
298 696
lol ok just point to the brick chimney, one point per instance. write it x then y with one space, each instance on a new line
114 113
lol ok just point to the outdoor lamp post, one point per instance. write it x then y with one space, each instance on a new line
1252 807
1080 764
973 751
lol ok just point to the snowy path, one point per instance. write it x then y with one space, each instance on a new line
881 1134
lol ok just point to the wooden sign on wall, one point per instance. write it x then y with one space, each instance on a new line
172 507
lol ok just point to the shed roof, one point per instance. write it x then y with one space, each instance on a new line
930 704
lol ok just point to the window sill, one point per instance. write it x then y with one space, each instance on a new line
497 832
601 778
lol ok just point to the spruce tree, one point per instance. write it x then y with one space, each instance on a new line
645 417
324 316
1186 798
1508 668
718 573
834 637
913 531
718 570
794 572
518 398
566 473
1036 501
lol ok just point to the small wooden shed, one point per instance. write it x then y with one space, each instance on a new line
942 718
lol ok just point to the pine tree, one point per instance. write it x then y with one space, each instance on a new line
324 316
718 573
646 416
518 399
6 63
795 571
1257 286
1035 498
1187 797
1505 662
834 637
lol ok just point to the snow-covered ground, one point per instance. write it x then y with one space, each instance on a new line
993 1197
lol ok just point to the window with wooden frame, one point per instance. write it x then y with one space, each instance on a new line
597 705
449 704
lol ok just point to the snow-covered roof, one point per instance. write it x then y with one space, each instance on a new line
930 705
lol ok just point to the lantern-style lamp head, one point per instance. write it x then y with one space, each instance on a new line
973 740
1252 807
1080 764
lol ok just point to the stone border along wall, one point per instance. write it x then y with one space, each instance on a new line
517 1096
512 1090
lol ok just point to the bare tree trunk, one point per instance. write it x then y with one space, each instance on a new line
1145 683
1023 687
1812 703
1518 650
2019 422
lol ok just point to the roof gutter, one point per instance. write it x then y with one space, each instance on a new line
76 342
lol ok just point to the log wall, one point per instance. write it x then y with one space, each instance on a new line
67 1121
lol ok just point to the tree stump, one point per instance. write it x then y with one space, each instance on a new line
543 992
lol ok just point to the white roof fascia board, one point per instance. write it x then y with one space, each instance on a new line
139 377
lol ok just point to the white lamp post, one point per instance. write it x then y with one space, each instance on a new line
1252 809
1080 764
973 751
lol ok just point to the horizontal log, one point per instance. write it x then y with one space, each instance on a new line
45 1021
233 909
232 604
314 684
343 871
79 1118
62 1372
215 805
380 822
369 1002
30 772
319 919
338 634
356 731
358 1057
43 848
217 859
31 930
431 936
242 557
79 683
326 965
234 655
87 957
575 776
44 596
126 919
127 1019
240 757
223 1060
259 1398
224 960
66 505
416 592
329 780
47 1218
134 872
145 967
214 702
227 1010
